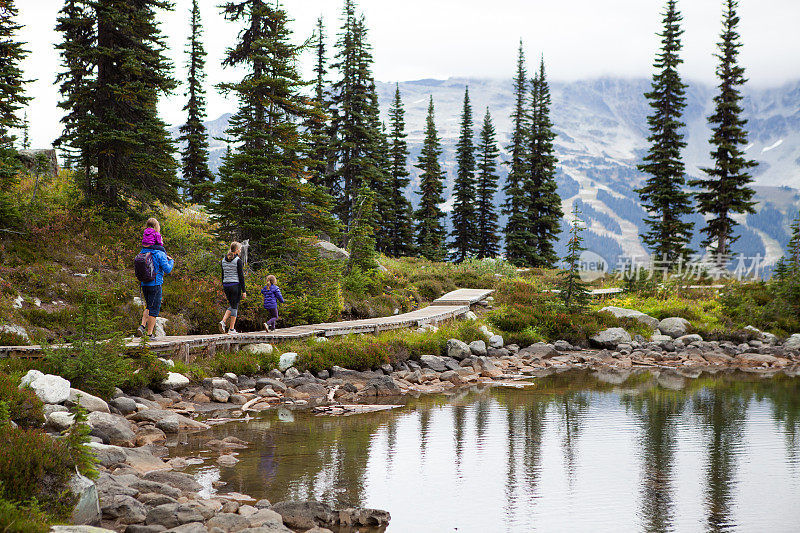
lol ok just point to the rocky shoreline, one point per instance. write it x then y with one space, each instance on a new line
140 489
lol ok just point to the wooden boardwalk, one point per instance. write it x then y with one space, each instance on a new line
449 306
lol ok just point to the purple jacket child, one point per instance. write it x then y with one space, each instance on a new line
272 295
152 239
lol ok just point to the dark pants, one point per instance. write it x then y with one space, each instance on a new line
152 299
234 295
273 317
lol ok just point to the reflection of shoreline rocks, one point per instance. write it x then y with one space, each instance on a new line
142 490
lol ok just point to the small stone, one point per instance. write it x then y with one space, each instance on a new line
219 395
291 373
457 349
230 376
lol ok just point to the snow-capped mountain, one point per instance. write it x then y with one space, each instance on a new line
601 132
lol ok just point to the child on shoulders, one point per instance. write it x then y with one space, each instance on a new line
152 235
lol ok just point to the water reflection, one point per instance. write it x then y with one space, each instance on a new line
634 451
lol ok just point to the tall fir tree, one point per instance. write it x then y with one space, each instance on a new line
261 195
360 239
487 242
357 132
465 229
116 70
726 191
788 266
197 177
12 98
663 194
431 234
318 127
517 237
571 286
539 186
401 231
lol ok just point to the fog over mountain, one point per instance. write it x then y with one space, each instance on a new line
601 127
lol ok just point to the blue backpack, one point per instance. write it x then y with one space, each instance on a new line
145 267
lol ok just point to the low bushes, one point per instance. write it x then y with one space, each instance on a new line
21 406
365 352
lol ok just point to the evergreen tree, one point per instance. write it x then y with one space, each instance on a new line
361 240
196 174
726 190
789 264
113 52
317 126
12 98
539 186
572 287
430 229
465 230
663 195
487 242
261 195
26 132
401 231
515 207
357 132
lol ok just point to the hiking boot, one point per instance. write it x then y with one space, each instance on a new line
232 332
140 331
222 326
266 326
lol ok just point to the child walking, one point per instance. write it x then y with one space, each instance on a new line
272 295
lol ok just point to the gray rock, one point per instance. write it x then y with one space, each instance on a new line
660 338
305 514
331 251
477 348
259 349
15 330
180 481
688 339
274 384
167 421
219 395
191 527
228 522
173 514
450 363
611 337
287 361
314 390
87 508
621 312
496 341
230 376
124 509
539 350
79 529
381 386
323 374
220 383
87 401
113 429
266 518
792 343
141 528
457 349
562 346
49 388
356 517
433 362
60 420
175 381
50 408
291 373
673 326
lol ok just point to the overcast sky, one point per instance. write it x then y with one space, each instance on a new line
415 39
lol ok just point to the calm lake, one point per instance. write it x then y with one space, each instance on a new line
575 451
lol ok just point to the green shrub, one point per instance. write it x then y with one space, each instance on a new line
22 518
8 338
238 362
36 467
142 369
772 306
21 405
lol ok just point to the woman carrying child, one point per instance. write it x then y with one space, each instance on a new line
233 284
272 295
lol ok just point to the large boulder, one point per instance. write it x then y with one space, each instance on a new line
457 349
179 480
674 326
124 509
611 337
329 250
287 361
87 401
496 341
433 362
539 350
113 429
792 343
171 515
175 381
39 160
621 312
478 348
259 349
87 508
305 514
49 388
